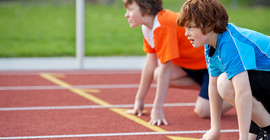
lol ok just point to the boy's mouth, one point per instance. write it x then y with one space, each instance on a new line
191 40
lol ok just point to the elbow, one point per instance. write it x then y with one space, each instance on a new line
166 67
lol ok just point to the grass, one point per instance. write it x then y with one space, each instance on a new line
110 33
46 30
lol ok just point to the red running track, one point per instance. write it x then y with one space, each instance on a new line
90 105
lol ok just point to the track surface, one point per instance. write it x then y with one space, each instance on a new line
90 105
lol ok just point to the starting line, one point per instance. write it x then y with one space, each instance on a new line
90 106
74 86
118 134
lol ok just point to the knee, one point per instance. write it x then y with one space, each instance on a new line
202 108
225 87
202 111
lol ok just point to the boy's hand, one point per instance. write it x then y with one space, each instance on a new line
212 134
137 110
157 118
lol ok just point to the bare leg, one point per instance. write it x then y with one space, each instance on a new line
225 89
252 136
180 79
259 114
202 107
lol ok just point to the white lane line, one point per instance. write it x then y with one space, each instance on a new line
118 134
75 86
112 72
90 107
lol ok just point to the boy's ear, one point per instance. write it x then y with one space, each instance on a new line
148 12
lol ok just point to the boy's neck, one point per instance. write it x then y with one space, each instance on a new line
149 21
213 37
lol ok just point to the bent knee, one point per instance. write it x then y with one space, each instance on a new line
202 112
202 107
224 86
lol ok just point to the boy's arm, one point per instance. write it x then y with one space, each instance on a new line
145 83
243 103
157 115
215 109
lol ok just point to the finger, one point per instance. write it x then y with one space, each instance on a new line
165 122
203 138
139 113
159 122
130 112
152 122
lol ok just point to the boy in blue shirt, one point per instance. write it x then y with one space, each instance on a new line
238 62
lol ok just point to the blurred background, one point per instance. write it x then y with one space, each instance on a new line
46 28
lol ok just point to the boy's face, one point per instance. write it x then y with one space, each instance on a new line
195 35
134 15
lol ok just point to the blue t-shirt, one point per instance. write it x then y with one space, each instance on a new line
238 49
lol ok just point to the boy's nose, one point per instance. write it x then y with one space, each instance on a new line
126 14
187 33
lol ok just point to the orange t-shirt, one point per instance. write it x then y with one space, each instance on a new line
169 42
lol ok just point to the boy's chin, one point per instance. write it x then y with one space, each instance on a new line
133 26
197 45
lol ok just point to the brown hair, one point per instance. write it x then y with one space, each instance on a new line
151 7
209 15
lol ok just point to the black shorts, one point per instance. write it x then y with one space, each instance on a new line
254 128
260 87
202 78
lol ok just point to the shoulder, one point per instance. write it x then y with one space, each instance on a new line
166 20
248 36
227 38
167 12
167 17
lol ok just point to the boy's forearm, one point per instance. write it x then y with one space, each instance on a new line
243 105
215 103
243 102
145 83
146 77
162 84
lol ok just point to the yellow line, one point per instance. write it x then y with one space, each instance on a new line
137 120
91 90
92 98
75 90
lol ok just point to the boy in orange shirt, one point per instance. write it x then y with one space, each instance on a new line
181 64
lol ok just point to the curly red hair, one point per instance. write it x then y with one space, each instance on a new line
209 15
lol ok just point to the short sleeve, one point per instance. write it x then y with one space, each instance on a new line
238 57
166 43
147 48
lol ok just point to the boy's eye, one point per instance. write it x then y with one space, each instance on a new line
190 27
